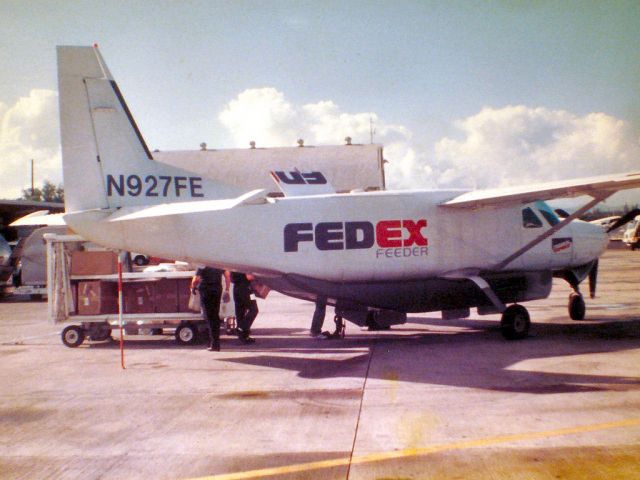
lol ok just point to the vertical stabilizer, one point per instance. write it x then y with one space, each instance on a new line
106 162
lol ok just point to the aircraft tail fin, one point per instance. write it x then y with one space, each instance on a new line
106 162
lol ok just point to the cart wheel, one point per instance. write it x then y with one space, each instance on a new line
187 334
100 332
72 336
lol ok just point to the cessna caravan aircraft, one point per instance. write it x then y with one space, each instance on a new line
375 256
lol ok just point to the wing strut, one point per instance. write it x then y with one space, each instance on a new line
491 295
596 199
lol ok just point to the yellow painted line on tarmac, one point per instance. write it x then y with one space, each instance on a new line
417 452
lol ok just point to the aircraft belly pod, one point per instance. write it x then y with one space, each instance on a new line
375 256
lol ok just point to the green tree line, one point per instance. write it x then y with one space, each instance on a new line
47 193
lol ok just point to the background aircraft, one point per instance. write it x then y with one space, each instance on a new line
376 256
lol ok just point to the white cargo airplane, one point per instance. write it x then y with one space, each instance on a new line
376 256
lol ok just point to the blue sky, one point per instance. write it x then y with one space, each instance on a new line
456 89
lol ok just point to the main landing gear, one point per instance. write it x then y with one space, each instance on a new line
515 322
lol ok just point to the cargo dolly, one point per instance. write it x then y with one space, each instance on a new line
64 295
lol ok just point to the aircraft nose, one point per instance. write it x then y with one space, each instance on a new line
589 241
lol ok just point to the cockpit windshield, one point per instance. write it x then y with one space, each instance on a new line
530 218
547 212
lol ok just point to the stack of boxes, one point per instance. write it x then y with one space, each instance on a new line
96 297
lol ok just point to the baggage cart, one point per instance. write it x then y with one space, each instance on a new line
98 316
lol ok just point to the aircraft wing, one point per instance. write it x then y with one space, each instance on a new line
601 186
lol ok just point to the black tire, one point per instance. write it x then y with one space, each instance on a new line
72 336
515 323
140 260
187 334
577 307
100 333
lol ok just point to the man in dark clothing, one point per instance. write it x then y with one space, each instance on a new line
246 307
208 281
318 316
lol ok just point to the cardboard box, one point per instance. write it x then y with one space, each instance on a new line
166 295
94 263
97 297
138 297
74 299
184 291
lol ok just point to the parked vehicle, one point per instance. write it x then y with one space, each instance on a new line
139 259
632 234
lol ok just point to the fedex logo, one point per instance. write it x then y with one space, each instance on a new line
395 238
300 178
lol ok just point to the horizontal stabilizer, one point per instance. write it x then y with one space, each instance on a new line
41 217
601 186
136 213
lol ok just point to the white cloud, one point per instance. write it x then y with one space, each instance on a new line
29 130
264 115
495 147
517 144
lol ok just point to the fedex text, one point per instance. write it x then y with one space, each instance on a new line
394 238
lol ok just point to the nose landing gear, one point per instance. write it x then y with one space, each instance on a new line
577 307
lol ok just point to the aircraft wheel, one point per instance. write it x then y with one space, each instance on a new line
187 334
72 336
515 322
577 308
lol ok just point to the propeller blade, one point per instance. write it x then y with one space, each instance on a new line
593 279
624 219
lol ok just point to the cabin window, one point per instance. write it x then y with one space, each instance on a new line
530 219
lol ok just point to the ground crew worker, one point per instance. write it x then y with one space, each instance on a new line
318 316
318 320
246 307
208 281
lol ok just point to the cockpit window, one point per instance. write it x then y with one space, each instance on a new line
530 219
551 218
547 213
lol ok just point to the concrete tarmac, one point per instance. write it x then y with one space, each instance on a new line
431 399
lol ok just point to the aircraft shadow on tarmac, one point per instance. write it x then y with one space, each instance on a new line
474 358
428 351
